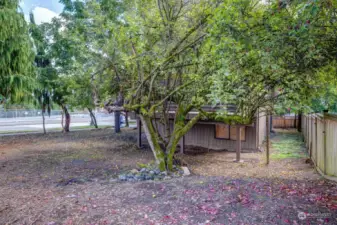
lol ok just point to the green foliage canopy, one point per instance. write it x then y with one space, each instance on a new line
16 53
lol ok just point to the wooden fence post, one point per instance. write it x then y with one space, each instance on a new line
238 143
311 135
307 131
267 139
324 140
316 138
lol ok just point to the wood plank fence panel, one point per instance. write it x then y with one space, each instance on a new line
314 139
331 148
320 145
285 121
320 135
304 127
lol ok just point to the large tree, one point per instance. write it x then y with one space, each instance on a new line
169 70
271 51
164 59
46 74
83 94
16 53
84 55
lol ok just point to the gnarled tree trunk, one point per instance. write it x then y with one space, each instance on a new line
153 139
164 153
67 119
93 118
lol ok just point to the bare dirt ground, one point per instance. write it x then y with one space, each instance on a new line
70 179
288 161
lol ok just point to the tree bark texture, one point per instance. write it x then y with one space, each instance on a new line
43 123
164 153
93 118
67 119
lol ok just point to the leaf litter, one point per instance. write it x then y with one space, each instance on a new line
30 194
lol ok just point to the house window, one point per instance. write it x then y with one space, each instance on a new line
224 131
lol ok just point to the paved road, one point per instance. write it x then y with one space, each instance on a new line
35 123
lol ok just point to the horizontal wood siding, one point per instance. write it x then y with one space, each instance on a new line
203 135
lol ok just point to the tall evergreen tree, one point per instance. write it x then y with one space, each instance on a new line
16 53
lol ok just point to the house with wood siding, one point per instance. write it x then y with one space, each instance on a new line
214 135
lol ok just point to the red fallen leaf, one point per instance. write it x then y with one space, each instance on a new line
286 221
113 211
105 222
227 188
212 211
145 222
212 190
187 192
167 218
183 217
209 210
292 192
69 222
333 206
243 199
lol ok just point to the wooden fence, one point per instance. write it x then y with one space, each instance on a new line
320 136
285 121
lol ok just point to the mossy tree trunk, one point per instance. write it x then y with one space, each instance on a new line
169 77
180 128
164 151
153 139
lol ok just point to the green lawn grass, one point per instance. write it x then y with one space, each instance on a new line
285 145
52 129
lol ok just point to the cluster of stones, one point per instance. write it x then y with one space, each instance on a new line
149 174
